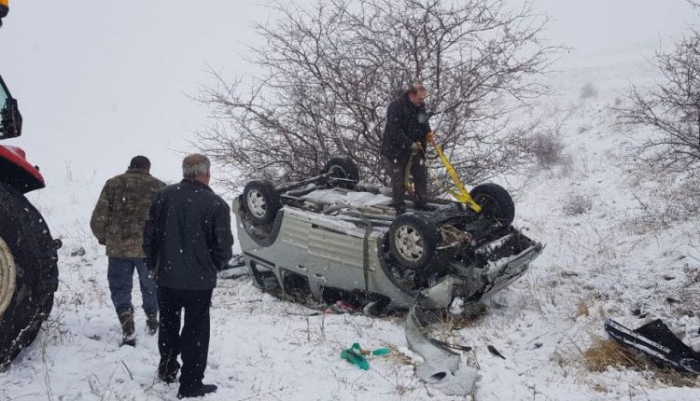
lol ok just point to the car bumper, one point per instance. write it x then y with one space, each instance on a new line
453 291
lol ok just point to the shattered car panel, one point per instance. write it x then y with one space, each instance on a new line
442 367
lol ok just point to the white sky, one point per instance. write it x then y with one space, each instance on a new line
112 77
604 27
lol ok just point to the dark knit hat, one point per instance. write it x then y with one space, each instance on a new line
140 162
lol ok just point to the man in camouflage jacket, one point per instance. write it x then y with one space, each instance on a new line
117 222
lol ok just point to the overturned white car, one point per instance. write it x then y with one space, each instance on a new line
331 237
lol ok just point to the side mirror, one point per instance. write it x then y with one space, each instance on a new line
11 120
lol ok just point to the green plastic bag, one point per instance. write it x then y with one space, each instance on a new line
381 351
356 355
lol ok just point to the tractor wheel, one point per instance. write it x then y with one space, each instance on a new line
413 241
496 203
261 201
28 273
345 170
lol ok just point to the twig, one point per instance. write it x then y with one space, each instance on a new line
127 370
242 302
261 394
47 377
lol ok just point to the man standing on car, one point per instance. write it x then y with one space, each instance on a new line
117 222
405 135
187 240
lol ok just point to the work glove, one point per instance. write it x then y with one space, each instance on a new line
429 137
416 146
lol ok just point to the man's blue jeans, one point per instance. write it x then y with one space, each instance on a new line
120 273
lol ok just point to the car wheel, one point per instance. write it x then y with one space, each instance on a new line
413 240
345 169
261 201
28 273
496 203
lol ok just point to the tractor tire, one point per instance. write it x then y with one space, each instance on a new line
262 202
496 203
28 273
345 170
413 241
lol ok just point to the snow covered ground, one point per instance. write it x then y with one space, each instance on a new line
615 249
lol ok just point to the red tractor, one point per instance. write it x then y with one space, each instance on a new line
4 8
28 258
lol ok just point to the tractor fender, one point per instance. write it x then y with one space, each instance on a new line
17 171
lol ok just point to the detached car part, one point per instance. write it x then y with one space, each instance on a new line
657 342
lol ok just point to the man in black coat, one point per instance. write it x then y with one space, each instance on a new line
187 240
405 135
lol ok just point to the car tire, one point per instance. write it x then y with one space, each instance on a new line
344 168
261 201
413 241
28 273
496 203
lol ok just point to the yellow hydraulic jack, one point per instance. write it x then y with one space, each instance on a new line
461 195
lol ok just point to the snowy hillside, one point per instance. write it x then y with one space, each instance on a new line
620 242
613 250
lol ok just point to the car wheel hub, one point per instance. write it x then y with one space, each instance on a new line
489 208
338 172
7 276
256 203
409 243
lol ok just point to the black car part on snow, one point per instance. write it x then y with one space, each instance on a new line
656 341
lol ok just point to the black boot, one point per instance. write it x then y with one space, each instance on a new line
167 370
128 330
152 323
200 391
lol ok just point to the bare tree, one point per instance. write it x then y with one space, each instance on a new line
328 72
672 107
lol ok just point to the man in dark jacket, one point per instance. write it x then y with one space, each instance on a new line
117 222
187 239
404 139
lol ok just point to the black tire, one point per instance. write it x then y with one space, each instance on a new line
261 201
413 241
345 169
30 251
496 203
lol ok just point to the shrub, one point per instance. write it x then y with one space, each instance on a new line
577 205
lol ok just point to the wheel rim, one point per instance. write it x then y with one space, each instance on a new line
8 276
489 208
338 172
256 203
409 243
